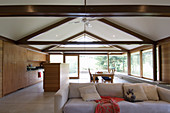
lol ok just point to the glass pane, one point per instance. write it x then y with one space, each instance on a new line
94 62
56 58
147 64
73 65
119 62
135 63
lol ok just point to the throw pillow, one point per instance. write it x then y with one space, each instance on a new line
151 92
89 93
138 91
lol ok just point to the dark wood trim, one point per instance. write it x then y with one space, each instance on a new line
129 62
126 30
92 53
78 66
108 62
95 36
141 64
122 48
163 41
6 39
47 48
160 62
82 11
144 47
85 51
74 36
102 39
81 43
30 47
154 63
44 29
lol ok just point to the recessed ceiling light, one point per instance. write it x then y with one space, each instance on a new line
114 36
56 35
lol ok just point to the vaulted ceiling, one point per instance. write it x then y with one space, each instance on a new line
107 29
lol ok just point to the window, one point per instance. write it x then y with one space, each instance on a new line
94 62
119 62
147 63
135 63
56 58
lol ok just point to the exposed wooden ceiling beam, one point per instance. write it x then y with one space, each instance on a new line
122 48
47 48
85 50
6 39
102 39
45 29
163 41
125 30
67 39
81 43
76 35
79 10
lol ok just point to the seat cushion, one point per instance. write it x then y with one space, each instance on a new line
79 106
144 107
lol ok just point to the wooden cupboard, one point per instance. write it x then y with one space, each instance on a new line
56 75
14 62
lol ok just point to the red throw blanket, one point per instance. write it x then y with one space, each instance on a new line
108 105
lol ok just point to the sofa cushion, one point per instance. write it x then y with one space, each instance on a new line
138 91
164 94
74 89
113 90
151 92
144 107
77 105
89 93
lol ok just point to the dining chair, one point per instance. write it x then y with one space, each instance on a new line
91 77
108 79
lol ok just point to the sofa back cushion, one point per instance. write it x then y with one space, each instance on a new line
164 94
74 89
113 90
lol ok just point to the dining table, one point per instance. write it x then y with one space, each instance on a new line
103 75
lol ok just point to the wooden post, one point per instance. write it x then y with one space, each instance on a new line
78 66
160 62
154 63
108 62
129 62
141 64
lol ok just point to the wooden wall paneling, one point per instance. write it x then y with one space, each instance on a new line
1 56
165 62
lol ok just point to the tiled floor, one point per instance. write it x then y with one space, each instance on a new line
34 100
28 100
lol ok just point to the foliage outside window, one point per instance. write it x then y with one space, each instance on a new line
56 58
147 64
135 63
119 62
94 62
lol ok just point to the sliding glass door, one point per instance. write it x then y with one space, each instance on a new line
73 61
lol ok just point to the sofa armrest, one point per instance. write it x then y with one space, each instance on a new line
164 94
60 99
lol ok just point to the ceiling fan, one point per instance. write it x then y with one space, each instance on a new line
86 21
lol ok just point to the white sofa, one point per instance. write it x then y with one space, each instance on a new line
68 100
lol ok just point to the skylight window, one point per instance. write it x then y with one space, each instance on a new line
84 38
